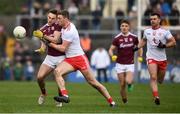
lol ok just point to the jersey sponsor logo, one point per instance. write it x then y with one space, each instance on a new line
125 45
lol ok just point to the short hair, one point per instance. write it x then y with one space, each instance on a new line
53 11
64 13
156 14
125 21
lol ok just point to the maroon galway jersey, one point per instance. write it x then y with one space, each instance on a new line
125 45
49 31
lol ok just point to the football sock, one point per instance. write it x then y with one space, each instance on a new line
130 87
59 92
43 91
155 94
64 92
110 100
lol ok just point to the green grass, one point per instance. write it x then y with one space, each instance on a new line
22 97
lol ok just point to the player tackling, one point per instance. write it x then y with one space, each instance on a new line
75 59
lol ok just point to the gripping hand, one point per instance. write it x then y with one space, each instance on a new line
113 58
161 45
40 50
38 34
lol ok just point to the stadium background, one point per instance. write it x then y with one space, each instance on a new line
96 20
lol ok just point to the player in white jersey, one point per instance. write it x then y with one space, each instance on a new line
157 39
75 60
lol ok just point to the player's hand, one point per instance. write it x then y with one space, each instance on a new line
113 58
140 59
38 34
40 50
161 45
135 49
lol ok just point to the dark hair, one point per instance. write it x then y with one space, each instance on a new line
64 13
156 14
53 11
125 21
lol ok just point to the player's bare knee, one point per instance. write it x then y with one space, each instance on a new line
153 78
57 72
40 77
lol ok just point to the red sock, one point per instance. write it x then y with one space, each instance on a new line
64 92
155 93
110 100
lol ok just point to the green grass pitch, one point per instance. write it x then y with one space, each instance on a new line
21 97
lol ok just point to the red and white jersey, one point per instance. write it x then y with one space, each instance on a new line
71 34
154 36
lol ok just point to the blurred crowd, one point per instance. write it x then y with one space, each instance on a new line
18 61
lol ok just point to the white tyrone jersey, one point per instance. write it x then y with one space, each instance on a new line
70 34
153 37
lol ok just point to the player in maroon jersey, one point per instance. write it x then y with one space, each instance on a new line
124 43
51 32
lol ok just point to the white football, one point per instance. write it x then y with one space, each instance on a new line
19 32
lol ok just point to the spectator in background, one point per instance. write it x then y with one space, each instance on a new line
102 4
3 40
119 16
130 4
7 70
18 71
84 10
96 21
36 13
174 16
147 14
175 72
165 8
86 44
29 70
100 61
73 11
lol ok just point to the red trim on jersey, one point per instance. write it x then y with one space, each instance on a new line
161 64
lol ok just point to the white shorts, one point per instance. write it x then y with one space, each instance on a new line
53 61
120 68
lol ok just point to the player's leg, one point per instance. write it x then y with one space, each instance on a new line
44 70
60 71
122 82
152 68
87 73
129 80
161 71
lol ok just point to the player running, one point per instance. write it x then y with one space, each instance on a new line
50 31
124 43
75 60
157 39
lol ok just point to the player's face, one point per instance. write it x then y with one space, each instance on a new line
155 21
51 18
61 20
124 28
